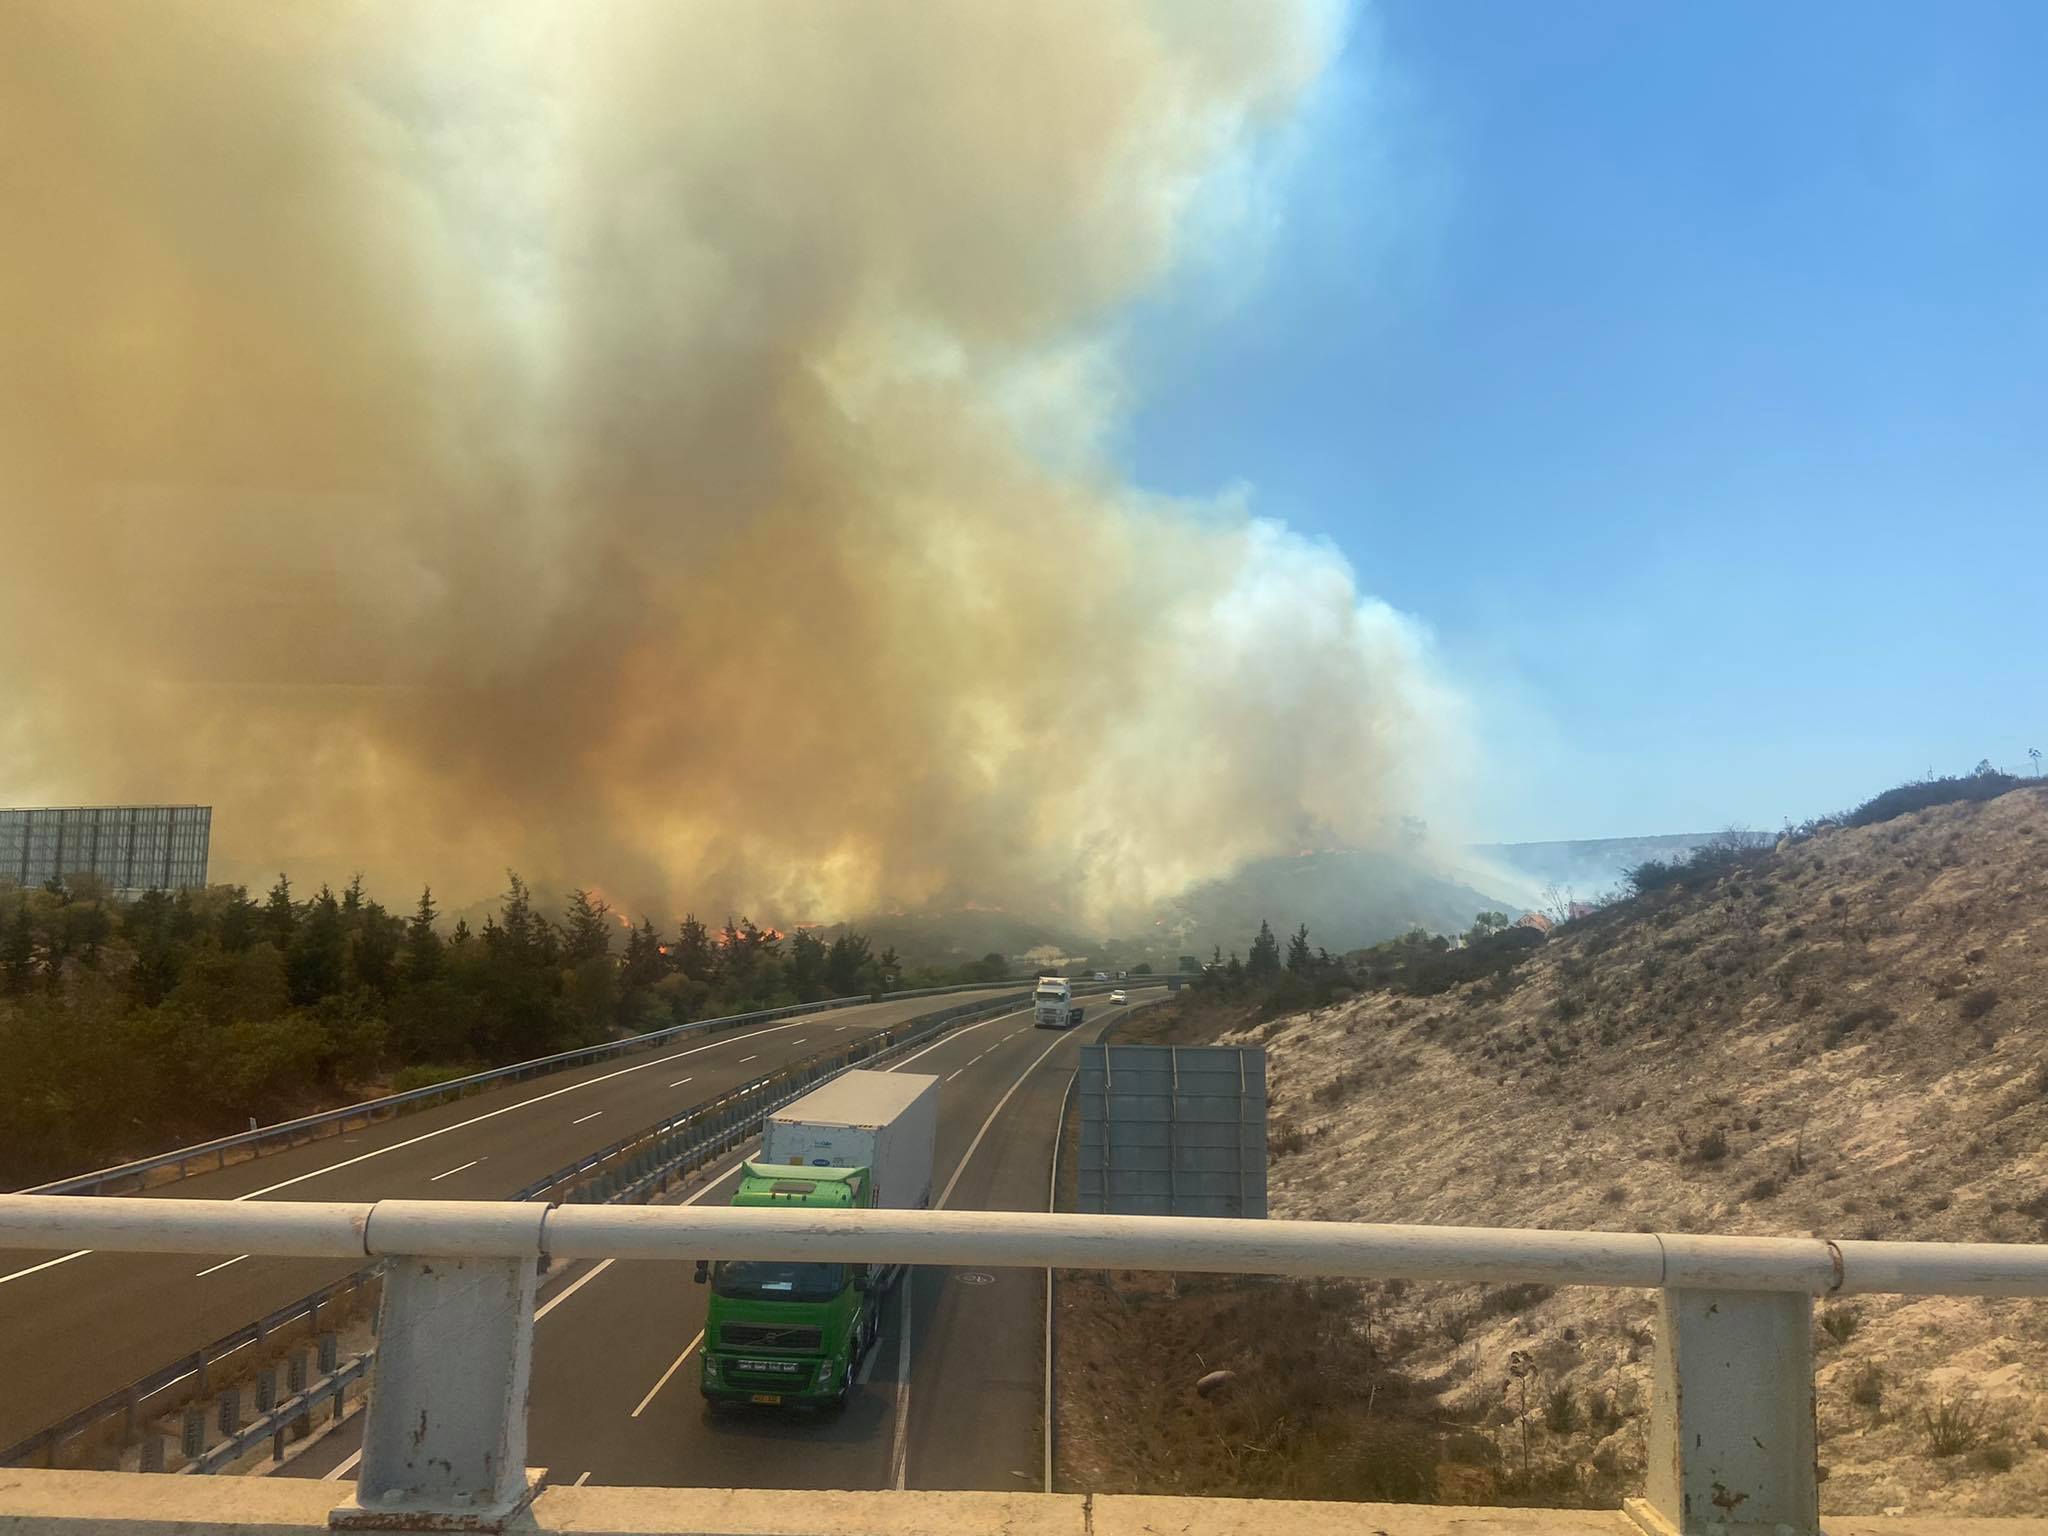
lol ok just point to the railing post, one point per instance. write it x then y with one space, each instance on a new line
1731 1437
444 1444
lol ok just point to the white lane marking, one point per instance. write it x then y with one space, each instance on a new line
216 1269
437 1178
581 1281
792 1042
680 1081
346 1466
604 1264
581 1479
46 1264
839 1026
688 1350
539 1098
745 1059
953 1075
948 1040
940 1203
591 1116
901 1454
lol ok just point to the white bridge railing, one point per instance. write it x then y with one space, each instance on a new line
1731 1429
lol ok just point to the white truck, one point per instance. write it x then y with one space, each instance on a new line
1052 1004
885 1122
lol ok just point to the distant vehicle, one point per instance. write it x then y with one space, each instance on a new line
1102 976
1123 975
786 1332
1052 1004
1118 996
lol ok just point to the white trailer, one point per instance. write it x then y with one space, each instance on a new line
885 1122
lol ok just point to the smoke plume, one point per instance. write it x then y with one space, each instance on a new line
658 446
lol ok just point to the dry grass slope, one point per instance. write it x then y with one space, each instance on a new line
1849 1037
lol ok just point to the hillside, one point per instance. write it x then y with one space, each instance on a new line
1349 898
1847 1036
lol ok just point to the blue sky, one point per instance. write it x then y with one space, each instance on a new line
1683 369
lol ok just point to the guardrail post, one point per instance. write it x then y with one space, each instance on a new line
152 1452
330 1353
230 1410
192 1437
1732 1435
445 1442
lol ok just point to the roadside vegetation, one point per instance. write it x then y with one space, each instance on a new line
128 1027
1842 1030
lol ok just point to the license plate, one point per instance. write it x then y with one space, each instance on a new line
769 1398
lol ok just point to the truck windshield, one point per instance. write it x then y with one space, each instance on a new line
1048 995
773 1280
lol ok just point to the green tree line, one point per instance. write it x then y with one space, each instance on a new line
128 1027
1417 962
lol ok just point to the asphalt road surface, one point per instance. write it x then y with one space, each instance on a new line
75 1327
953 1392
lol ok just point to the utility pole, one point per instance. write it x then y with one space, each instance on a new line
2035 754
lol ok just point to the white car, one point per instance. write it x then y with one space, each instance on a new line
1118 997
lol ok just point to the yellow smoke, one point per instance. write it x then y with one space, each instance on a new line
656 445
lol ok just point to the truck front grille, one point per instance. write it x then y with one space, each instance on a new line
754 1336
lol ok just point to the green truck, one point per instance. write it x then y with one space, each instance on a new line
781 1332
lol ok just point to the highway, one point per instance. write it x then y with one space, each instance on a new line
614 1397
75 1327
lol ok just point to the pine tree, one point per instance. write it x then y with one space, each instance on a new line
1264 960
645 962
693 955
280 918
422 944
844 964
588 933
239 920
318 963
1299 960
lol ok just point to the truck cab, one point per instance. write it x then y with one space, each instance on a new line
779 1331
1052 1004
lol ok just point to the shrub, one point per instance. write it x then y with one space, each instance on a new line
1841 1323
1953 1425
1866 1388
1614 1194
1560 1410
1712 1147
1286 1139
1996 1458
1978 1003
1919 794
1518 1298
1764 1188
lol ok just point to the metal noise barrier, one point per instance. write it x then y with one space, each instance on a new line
679 1144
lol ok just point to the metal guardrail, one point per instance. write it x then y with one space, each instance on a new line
1732 1431
134 1401
651 1178
645 1160
275 1423
286 1134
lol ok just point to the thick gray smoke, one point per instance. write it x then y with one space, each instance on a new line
653 445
